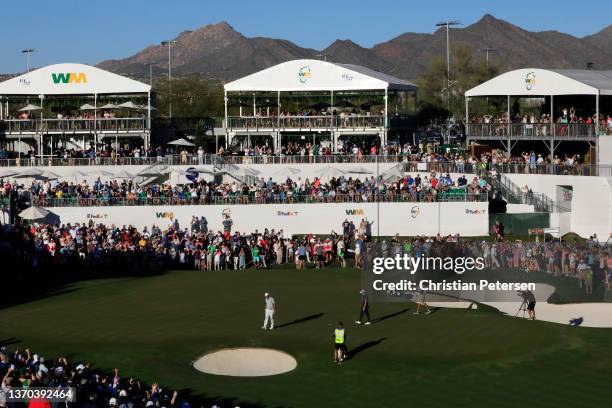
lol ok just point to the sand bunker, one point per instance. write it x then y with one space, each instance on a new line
246 362
593 314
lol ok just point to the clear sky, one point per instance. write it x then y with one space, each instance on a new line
92 31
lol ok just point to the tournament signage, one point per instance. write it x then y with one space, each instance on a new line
69 77
530 80
304 74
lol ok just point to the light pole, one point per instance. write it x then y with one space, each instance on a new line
169 44
28 51
150 64
487 51
448 24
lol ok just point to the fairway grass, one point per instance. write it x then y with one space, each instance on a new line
154 327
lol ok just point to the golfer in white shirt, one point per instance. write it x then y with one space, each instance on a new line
269 311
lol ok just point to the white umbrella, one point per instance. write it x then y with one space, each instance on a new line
329 172
109 106
249 171
104 173
48 174
124 174
204 170
181 142
7 172
128 105
145 107
31 172
199 170
394 172
283 171
37 174
87 107
30 107
360 170
156 171
34 213
78 173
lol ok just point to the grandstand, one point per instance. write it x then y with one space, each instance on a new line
71 106
315 100
548 106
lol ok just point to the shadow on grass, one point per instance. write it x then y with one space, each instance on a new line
300 320
360 349
389 316
8 341
198 399
58 279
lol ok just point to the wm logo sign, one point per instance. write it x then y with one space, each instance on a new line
356 211
168 215
69 78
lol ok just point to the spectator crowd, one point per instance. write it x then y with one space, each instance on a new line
431 187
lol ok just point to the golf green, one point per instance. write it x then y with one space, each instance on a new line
154 327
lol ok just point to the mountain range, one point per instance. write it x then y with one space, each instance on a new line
218 52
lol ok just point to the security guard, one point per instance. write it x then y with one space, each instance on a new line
339 343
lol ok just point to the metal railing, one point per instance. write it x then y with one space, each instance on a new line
220 164
558 169
314 159
456 195
514 194
528 131
224 162
11 126
306 122
177 159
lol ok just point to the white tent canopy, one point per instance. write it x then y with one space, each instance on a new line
109 106
316 75
71 79
34 213
129 105
545 82
29 107
181 142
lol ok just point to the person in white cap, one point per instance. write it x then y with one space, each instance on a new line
269 311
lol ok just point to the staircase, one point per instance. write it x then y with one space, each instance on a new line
221 165
513 194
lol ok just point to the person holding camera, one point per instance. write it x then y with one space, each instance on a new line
531 304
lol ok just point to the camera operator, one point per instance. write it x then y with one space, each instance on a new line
529 298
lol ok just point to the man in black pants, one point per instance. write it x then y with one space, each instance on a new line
531 304
365 308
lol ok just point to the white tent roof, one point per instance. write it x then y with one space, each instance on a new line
543 82
71 79
315 75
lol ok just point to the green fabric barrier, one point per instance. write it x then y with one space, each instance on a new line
519 224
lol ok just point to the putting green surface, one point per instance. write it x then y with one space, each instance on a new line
154 327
